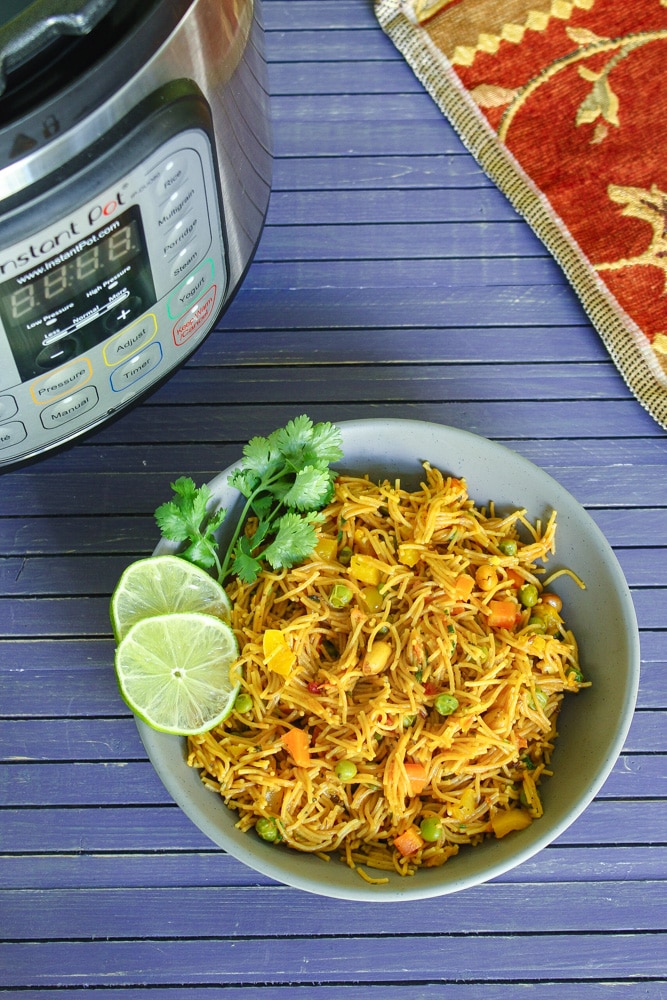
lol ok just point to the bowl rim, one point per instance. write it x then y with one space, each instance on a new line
178 783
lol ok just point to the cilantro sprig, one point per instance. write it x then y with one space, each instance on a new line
286 480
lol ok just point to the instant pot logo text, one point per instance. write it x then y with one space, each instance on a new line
61 241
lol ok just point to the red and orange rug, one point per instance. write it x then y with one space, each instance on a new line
564 105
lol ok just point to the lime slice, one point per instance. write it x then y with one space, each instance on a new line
173 671
160 585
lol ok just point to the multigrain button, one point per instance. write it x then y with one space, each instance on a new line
176 206
70 408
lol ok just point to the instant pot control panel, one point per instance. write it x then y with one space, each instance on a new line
102 301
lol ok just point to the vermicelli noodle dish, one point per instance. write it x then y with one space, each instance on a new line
400 688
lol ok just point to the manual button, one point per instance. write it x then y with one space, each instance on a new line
69 408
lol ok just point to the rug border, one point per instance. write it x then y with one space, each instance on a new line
625 342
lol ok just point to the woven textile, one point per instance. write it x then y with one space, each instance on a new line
564 105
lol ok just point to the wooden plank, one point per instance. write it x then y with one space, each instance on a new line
81 869
89 616
122 776
98 574
500 249
115 739
400 171
283 15
186 912
351 208
162 826
76 678
443 959
604 990
601 484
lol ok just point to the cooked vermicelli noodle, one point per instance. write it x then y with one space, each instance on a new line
401 686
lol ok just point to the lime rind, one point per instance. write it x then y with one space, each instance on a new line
173 671
165 584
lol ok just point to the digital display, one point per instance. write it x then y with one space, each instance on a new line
79 297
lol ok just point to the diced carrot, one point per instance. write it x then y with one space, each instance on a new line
326 549
511 819
297 742
463 587
417 776
409 842
515 577
503 614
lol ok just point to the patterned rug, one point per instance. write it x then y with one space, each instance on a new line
563 103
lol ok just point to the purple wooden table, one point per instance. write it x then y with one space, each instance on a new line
392 279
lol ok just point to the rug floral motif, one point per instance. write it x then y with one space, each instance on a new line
564 105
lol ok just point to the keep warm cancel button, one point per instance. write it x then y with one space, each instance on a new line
196 318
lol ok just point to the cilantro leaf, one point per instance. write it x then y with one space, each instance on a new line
285 479
295 539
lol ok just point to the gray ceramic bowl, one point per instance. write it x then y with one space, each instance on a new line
592 726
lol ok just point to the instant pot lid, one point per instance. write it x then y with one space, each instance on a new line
61 58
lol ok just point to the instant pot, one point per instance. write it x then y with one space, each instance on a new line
135 171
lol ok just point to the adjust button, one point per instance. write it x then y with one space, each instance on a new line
70 408
125 344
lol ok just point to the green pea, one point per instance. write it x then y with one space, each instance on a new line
409 720
431 828
445 704
508 547
243 703
340 595
268 830
528 595
345 555
537 624
346 770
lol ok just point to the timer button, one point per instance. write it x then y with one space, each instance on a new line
8 407
136 367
